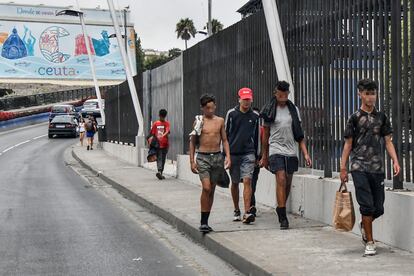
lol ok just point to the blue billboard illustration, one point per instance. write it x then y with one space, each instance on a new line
35 50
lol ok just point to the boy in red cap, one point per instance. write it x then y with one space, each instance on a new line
243 133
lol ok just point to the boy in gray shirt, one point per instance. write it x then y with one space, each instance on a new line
282 133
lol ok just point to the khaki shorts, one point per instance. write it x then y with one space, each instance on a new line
208 163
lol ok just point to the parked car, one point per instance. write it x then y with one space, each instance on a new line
65 125
63 109
91 107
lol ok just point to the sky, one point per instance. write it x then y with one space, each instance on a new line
155 20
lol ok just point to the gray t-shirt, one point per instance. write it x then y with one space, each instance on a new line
281 140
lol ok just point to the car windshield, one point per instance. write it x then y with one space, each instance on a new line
60 109
63 119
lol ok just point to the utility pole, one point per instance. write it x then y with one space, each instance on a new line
91 63
125 29
131 84
209 24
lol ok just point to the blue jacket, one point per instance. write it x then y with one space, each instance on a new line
243 131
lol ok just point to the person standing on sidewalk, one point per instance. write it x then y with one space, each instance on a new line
161 130
282 133
208 136
243 132
365 133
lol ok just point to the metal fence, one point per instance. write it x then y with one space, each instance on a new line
334 43
239 56
121 122
331 44
11 103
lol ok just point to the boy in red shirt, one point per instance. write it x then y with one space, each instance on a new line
161 130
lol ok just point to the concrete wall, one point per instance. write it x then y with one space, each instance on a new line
125 153
163 88
313 197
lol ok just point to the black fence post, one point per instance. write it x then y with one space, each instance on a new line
327 91
396 86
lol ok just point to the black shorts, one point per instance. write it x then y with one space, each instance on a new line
289 164
370 193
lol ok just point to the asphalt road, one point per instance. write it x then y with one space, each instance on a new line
57 219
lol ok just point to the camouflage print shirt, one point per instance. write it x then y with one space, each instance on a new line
367 131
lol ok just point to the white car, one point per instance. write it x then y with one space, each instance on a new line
91 107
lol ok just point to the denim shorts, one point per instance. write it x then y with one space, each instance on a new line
289 164
208 163
90 134
242 166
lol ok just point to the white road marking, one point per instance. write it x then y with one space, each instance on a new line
22 143
38 137
6 150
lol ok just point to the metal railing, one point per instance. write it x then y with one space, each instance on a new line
10 103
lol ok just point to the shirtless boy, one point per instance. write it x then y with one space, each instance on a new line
209 157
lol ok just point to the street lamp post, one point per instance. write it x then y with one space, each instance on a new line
209 24
88 50
140 136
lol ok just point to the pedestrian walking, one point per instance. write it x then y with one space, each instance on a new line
81 131
282 134
365 133
243 133
161 130
90 127
208 136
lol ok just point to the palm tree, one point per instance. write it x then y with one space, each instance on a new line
185 29
216 26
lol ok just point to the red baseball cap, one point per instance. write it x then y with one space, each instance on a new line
246 93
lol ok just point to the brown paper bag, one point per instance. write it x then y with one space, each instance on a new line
344 213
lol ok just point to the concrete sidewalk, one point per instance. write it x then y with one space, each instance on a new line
308 248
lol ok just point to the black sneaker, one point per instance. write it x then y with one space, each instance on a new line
159 175
253 210
87 148
284 224
204 228
91 148
248 218
162 177
236 215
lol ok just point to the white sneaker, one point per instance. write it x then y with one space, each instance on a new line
364 237
370 249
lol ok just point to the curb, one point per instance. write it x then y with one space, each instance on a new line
213 245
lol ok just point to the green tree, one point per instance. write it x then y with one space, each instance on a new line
185 29
174 52
140 55
152 62
216 26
